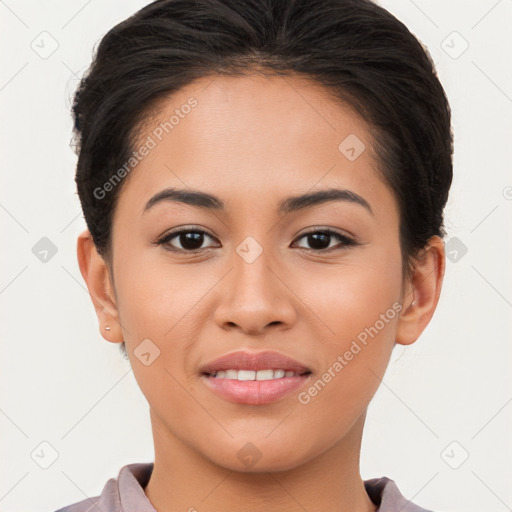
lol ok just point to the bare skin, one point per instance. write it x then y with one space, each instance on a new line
252 142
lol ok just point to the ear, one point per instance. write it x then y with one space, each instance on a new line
96 275
421 292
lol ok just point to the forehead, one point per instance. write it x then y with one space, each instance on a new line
278 112
267 136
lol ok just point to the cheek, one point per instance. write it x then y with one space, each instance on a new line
358 308
154 295
352 296
363 313
163 303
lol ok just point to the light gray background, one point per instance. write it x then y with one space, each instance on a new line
445 398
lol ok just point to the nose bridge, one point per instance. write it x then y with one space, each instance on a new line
251 279
251 267
252 297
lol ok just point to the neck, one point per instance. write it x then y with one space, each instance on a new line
183 480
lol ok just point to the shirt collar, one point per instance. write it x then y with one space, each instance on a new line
126 493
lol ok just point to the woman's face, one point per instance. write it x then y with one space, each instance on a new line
256 282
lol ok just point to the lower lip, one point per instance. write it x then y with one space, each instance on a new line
255 392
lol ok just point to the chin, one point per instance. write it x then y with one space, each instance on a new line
260 456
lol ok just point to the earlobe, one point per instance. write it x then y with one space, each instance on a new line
422 293
95 272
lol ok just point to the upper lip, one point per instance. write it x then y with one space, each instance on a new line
254 361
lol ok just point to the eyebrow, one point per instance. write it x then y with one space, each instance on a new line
291 204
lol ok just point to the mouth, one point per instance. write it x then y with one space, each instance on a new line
254 378
259 375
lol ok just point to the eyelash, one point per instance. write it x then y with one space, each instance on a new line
345 240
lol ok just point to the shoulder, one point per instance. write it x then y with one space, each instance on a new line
86 505
118 494
385 493
108 501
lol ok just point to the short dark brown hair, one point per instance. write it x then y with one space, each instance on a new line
356 49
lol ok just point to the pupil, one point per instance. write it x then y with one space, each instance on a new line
194 240
315 237
191 240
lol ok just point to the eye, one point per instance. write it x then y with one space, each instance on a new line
187 240
320 240
192 240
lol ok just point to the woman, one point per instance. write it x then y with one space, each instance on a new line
263 184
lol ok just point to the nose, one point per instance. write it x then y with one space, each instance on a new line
254 298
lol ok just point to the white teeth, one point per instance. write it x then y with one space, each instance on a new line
254 375
246 374
264 375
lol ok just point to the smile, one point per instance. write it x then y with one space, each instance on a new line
245 375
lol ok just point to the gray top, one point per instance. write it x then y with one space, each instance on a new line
126 494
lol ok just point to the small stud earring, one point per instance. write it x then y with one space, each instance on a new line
107 328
